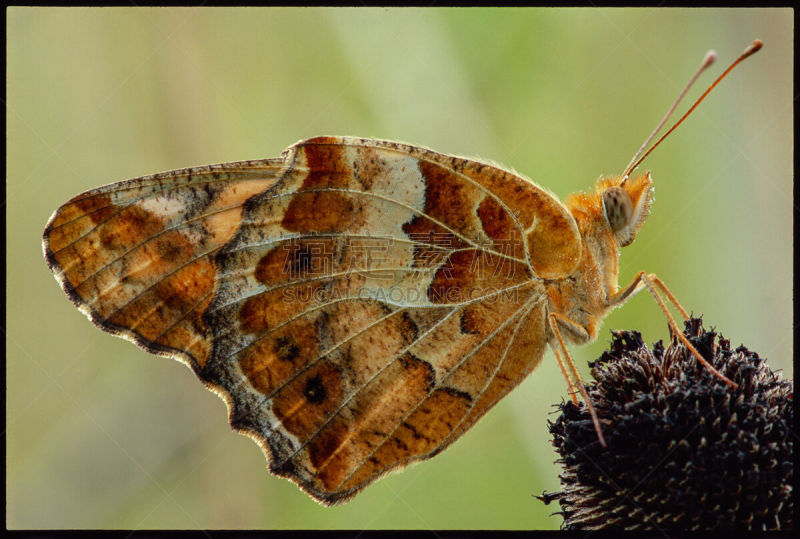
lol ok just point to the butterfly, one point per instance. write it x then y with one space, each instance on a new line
359 304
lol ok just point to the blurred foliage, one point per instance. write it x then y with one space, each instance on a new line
102 435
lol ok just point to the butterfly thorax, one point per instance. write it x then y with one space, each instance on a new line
607 220
583 295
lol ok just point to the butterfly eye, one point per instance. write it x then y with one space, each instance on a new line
618 207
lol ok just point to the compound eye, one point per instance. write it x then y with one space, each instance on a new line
618 207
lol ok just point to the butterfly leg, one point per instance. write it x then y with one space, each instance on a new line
574 381
572 392
651 282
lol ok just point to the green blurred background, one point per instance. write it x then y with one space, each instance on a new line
102 435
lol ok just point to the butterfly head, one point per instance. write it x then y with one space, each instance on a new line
626 204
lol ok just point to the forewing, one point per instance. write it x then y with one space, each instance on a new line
548 234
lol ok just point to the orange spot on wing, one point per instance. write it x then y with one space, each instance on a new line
105 244
83 206
129 227
274 359
180 297
77 218
270 308
185 288
190 334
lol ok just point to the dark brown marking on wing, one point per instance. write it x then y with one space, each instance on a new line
286 348
274 359
410 329
303 405
468 323
432 242
318 210
447 198
373 413
315 391
297 259
268 309
473 273
501 228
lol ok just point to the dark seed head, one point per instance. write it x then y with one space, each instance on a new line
685 451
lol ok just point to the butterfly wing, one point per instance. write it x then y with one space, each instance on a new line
137 257
364 304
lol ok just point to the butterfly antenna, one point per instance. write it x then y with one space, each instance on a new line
754 47
709 59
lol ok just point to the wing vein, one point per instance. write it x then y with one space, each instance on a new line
437 386
326 352
118 283
177 226
373 377
307 235
263 335
391 201
500 363
420 153
157 178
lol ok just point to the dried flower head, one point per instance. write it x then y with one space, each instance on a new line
685 451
